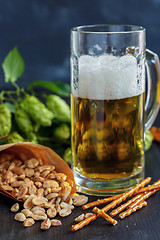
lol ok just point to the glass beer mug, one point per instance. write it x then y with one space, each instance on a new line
108 106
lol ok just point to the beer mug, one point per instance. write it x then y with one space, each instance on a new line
110 108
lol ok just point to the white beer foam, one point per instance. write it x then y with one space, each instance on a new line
108 77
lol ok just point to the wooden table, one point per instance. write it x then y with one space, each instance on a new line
142 225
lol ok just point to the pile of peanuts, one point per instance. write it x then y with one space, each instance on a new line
45 192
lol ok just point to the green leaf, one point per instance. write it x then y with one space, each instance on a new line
60 88
13 66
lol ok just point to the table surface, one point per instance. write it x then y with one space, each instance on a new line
142 225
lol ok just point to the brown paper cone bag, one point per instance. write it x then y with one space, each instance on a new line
47 155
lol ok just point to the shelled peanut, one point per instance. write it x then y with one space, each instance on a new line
45 192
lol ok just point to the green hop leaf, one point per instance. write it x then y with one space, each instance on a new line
13 66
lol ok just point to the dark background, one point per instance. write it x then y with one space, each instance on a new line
41 30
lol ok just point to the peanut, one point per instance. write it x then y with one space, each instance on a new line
18 171
8 175
35 208
17 162
29 172
17 184
46 224
39 201
27 212
45 173
40 192
79 200
61 177
32 163
51 212
32 190
15 207
38 184
50 184
28 203
7 188
65 212
56 189
55 222
28 182
52 195
46 167
20 217
28 222
80 218
39 215
49 205
22 192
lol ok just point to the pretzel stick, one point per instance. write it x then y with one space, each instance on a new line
148 189
100 201
111 205
83 223
136 203
144 196
131 210
154 186
105 216
106 200
156 183
126 194
122 207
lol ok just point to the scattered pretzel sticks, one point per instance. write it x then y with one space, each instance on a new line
125 205
126 195
134 209
142 198
134 201
112 204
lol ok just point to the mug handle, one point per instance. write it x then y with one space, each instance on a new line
152 103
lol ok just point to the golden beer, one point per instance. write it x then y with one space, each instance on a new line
108 79
108 137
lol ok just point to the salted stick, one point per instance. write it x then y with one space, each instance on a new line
125 205
83 223
126 195
112 204
144 196
148 189
152 187
105 216
134 204
100 201
132 210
